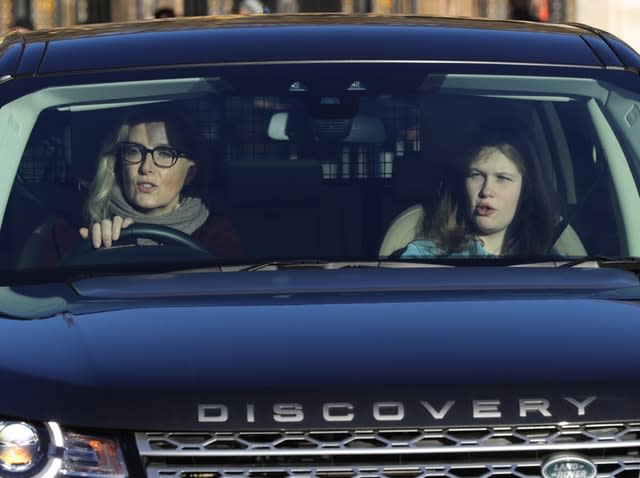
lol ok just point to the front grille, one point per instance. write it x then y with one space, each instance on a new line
462 452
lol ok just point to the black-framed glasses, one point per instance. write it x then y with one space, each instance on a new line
162 156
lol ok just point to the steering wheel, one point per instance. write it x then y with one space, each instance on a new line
84 253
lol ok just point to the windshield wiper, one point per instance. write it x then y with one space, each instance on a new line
443 261
287 264
625 263
352 264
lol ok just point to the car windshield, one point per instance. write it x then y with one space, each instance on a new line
325 162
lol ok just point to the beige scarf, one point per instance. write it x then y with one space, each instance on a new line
187 217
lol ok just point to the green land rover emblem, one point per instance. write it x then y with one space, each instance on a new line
568 466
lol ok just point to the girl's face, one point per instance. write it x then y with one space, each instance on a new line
493 186
151 189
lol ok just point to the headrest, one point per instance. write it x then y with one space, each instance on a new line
414 177
253 181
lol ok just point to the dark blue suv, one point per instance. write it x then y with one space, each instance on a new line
319 246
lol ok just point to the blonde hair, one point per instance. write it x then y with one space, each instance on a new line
97 206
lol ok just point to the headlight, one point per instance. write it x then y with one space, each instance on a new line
27 451
19 447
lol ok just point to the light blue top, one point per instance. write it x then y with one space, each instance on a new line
427 248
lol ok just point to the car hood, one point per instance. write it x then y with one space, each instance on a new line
168 354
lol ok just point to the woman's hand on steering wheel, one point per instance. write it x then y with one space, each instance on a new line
104 233
85 253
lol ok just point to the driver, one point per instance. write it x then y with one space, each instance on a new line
151 172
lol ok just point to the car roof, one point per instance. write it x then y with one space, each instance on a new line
307 37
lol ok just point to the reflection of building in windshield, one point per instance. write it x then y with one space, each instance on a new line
52 13
617 16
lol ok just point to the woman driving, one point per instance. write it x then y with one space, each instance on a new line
152 172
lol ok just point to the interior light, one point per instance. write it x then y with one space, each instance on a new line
297 87
357 86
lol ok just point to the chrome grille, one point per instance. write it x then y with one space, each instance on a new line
467 452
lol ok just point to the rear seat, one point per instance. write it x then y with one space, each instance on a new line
284 209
